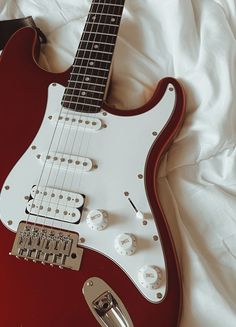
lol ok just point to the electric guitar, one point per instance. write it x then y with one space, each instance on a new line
79 200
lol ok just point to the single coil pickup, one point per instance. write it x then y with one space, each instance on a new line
54 211
47 245
54 196
67 161
76 120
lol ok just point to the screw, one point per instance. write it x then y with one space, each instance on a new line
33 147
159 295
7 187
171 89
126 193
10 222
140 176
90 283
155 238
104 113
145 222
154 133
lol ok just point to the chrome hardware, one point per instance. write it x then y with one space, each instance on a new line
47 245
105 304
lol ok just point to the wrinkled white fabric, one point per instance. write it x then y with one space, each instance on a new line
194 41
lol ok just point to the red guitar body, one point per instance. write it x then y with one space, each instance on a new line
33 295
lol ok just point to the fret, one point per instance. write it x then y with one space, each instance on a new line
93 52
90 60
84 69
103 24
103 14
80 103
99 37
105 43
74 98
99 28
86 83
82 90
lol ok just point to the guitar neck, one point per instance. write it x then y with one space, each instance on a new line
89 75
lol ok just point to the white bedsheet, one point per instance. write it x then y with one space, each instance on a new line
194 41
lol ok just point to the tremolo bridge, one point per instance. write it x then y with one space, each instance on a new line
47 245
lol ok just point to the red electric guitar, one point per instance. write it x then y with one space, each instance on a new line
79 203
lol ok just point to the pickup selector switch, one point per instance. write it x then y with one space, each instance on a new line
150 277
125 244
97 219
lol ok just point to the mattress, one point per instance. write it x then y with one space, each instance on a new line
193 41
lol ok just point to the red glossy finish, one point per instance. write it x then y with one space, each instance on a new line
37 295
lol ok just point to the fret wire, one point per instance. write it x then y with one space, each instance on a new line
91 60
81 103
102 52
88 67
103 14
81 97
83 90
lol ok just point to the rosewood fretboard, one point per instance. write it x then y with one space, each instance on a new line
89 75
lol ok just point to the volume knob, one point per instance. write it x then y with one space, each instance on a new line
97 219
150 277
125 244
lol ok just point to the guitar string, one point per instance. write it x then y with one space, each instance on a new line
71 95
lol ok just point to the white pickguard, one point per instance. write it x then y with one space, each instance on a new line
119 149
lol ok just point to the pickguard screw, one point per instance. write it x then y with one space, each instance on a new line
90 283
82 240
159 295
95 166
26 197
154 133
54 84
171 89
33 147
7 187
104 126
10 222
104 113
38 156
145 222
155 238
140 176
126 193
50 117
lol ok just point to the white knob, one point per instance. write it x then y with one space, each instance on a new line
97 219
150 277
125 244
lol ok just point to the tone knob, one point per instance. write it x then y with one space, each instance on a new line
125 244
150 277
97 219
